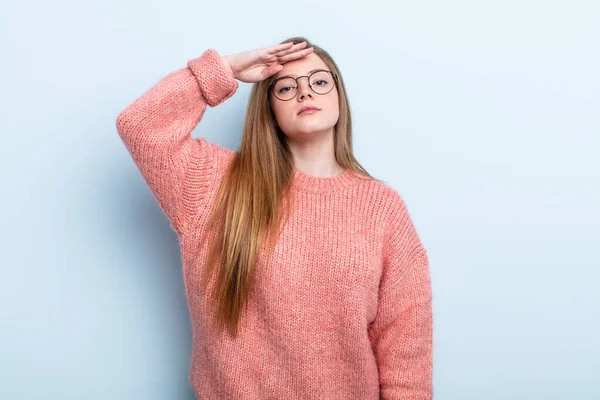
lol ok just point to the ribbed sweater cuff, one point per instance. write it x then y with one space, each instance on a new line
216 82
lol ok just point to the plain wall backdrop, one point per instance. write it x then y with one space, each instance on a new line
485 116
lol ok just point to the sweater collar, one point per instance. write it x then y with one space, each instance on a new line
315 184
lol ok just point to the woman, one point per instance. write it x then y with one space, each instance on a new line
312 265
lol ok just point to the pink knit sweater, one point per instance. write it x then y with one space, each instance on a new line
341 311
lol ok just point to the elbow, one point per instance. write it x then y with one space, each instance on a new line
125 122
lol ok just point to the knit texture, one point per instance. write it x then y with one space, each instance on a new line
342 310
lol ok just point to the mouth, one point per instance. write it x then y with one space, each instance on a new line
308 110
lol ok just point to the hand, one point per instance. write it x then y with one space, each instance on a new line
255 65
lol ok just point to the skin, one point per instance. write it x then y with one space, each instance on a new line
310 136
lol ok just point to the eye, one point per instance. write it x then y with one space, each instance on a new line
321 80
285 89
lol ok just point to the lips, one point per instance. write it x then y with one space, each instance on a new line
309 108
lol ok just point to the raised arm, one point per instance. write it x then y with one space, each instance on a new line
156 129
402 332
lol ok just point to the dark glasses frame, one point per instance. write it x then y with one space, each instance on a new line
272 85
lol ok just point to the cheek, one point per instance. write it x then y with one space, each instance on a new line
283 112
277 111
333 105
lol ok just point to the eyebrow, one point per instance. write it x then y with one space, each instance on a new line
309 72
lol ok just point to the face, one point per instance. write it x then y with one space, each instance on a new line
320 122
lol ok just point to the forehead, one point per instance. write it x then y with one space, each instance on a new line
302 66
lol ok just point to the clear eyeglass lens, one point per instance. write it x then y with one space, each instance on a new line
321 82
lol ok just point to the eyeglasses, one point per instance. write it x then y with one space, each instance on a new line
320 81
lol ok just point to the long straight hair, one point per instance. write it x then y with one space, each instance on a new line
254 196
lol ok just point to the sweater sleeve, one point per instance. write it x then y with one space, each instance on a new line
156 130
401 334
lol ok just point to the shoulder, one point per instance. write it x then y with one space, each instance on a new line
398 225
388 197
387 204
219 155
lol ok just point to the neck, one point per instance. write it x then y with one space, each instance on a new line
313 153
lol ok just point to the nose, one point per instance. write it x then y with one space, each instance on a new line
304 89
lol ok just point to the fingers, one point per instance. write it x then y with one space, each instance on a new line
290 50
295 55
279 47
271 70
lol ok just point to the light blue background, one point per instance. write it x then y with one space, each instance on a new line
485 116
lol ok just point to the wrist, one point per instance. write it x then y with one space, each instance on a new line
227 65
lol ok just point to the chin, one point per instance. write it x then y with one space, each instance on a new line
311 126
310 130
